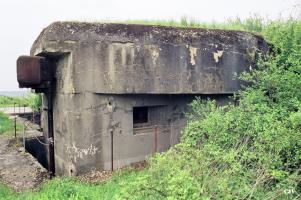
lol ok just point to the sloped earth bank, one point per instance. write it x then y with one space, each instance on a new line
18 169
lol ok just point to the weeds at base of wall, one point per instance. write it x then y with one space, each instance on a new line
71 188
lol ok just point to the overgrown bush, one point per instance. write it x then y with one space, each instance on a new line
248 151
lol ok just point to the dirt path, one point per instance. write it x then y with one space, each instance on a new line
19 169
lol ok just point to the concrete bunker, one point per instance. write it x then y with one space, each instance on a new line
118 93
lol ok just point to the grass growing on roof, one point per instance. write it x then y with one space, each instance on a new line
253 24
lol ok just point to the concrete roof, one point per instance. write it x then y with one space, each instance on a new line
130 58
84 31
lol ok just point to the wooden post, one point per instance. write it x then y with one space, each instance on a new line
50 138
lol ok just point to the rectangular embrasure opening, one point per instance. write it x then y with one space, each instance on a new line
140 115
145 118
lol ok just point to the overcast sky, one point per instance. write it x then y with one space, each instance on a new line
22 20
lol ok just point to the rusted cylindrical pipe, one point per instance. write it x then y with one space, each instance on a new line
51 164
112 151
155 139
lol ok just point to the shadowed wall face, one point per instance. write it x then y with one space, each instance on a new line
131 78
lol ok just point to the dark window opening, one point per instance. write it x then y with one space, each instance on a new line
140 115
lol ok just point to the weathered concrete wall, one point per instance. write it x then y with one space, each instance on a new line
83 121
104 70
82 129
123 59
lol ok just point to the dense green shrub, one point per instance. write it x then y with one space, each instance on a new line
248 151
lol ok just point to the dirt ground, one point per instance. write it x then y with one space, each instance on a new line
102 176
18 169
21 171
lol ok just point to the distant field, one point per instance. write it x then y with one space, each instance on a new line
30 100
6 101
11 98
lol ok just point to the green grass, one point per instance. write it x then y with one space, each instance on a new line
6 193
7 125
70 188
253 24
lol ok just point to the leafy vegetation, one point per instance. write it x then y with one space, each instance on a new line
248 151
245 151
34 101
